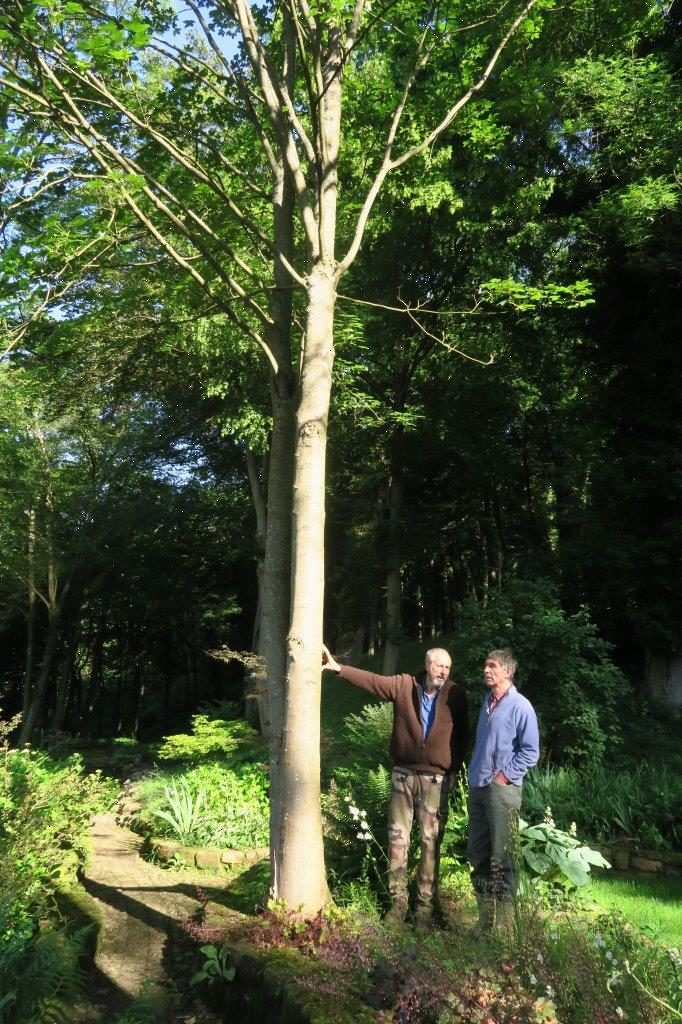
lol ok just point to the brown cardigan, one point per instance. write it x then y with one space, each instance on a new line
446 745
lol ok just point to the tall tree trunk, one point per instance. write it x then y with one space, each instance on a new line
301 826
276 594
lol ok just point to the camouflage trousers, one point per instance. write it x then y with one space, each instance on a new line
426 798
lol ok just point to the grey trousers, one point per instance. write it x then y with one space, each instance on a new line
493 813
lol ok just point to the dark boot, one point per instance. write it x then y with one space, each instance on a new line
397 912
423 917
486 916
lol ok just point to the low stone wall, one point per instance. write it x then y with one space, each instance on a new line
206 860
649 862
165 849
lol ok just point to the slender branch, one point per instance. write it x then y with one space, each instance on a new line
447 345
454 110
53 294
37 192
239 83
287 144
82 124
179 155
421 309
387 158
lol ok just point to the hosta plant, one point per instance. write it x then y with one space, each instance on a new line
553 855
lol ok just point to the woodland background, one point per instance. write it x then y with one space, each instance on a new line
535 478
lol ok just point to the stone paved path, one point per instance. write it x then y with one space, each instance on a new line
140 906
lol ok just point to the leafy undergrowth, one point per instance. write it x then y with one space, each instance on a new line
569 969
214 790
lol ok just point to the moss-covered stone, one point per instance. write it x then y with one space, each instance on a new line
81 911
277 985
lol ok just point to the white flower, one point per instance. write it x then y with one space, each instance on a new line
550 991
347 798
554 936
532 979
363 835
540 959
354 812
620 1011
573 830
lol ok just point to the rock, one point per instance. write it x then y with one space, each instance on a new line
233 857
210 859
621 860
164 849
644 864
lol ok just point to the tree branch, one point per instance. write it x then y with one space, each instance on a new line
390 164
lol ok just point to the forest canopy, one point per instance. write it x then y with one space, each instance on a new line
417 264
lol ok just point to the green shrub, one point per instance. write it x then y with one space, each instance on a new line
564 668
214 737
39 974
553 856
45 811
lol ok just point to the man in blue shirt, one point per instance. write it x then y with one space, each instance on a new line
507 745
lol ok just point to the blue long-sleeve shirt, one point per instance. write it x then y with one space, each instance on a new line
507 740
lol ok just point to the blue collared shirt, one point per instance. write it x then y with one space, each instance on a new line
428 710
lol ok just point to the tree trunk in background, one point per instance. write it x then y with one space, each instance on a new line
30 615
259 505
138 694
66 668
95 681
255 681
372 626
55 607
393 623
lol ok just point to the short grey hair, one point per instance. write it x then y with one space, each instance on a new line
505 658
430 655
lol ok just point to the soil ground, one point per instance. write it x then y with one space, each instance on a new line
140 906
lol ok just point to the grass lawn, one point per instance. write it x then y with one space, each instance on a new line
653 903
